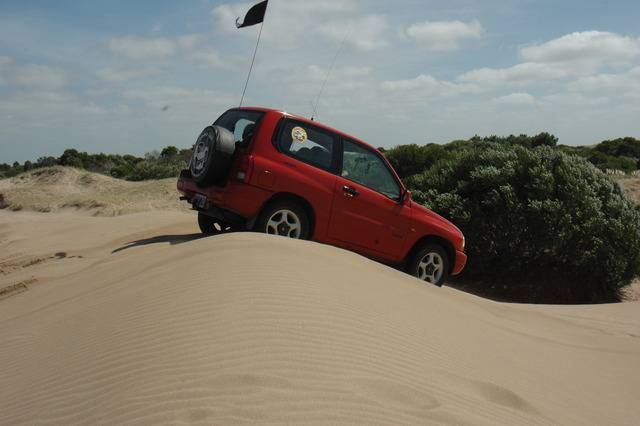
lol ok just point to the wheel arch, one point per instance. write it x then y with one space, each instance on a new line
281 196
434 239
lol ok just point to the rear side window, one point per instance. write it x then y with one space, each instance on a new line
308 143
242 123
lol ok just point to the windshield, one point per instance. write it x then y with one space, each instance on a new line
241 123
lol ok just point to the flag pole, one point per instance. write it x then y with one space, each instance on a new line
252 61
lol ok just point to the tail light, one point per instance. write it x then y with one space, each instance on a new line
245 168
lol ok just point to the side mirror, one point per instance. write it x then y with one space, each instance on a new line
405 197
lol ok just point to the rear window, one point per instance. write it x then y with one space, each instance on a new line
308 143
241 123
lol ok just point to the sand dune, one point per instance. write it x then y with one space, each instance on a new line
64 188
134 319
631 187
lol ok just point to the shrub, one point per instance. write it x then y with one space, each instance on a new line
606 161
150 169
408 160
541 226
541 139
621 147
72 158
169 152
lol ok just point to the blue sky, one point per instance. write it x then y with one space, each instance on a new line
131 77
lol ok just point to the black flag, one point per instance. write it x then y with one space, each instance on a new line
255 15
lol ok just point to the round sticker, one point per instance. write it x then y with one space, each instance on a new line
299 134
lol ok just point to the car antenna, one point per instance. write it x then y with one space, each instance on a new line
324 83
314 110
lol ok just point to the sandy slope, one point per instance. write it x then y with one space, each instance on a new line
64 188
631 187
134 320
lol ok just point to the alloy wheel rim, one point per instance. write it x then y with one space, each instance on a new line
200 156
431 268
284 223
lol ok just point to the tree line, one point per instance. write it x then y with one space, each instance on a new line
618 154
154 165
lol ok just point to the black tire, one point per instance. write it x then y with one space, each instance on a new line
211 156
440 260
298 214
210 226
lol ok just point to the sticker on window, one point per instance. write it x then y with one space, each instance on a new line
299 134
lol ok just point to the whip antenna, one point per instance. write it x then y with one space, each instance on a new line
254 16
251 67
324 83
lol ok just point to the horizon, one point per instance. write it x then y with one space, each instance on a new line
127 78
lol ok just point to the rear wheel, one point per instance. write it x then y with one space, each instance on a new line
285 218
430 263
211 226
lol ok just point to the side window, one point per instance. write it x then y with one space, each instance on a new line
363 166
243 129
307 143
242 123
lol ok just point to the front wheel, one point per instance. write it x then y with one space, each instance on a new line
430 263
210 226
285 218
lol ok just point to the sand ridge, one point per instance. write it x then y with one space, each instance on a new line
157 325
54 189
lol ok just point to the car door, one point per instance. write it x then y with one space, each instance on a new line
367 214
305 164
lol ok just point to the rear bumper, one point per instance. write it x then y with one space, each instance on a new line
461 261
239 198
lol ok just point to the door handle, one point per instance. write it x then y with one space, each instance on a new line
350 191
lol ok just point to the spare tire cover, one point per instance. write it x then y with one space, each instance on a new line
212 154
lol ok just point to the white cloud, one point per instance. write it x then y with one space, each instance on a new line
575 55
40 76
593 46
210 58
44 108
521 74
5 62
515 99
628 81
307 81
142 48
294 15
189 41
120 75
425 87
288 24
180 99
366 33
226 15
34 76
444 35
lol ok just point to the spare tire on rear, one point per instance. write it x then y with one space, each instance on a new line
212 154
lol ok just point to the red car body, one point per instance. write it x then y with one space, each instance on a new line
370 223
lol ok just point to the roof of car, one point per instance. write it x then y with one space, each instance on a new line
308 121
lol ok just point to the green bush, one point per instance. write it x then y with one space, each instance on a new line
621 147
409 160
153 169
541 226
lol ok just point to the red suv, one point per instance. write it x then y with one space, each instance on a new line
269 171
